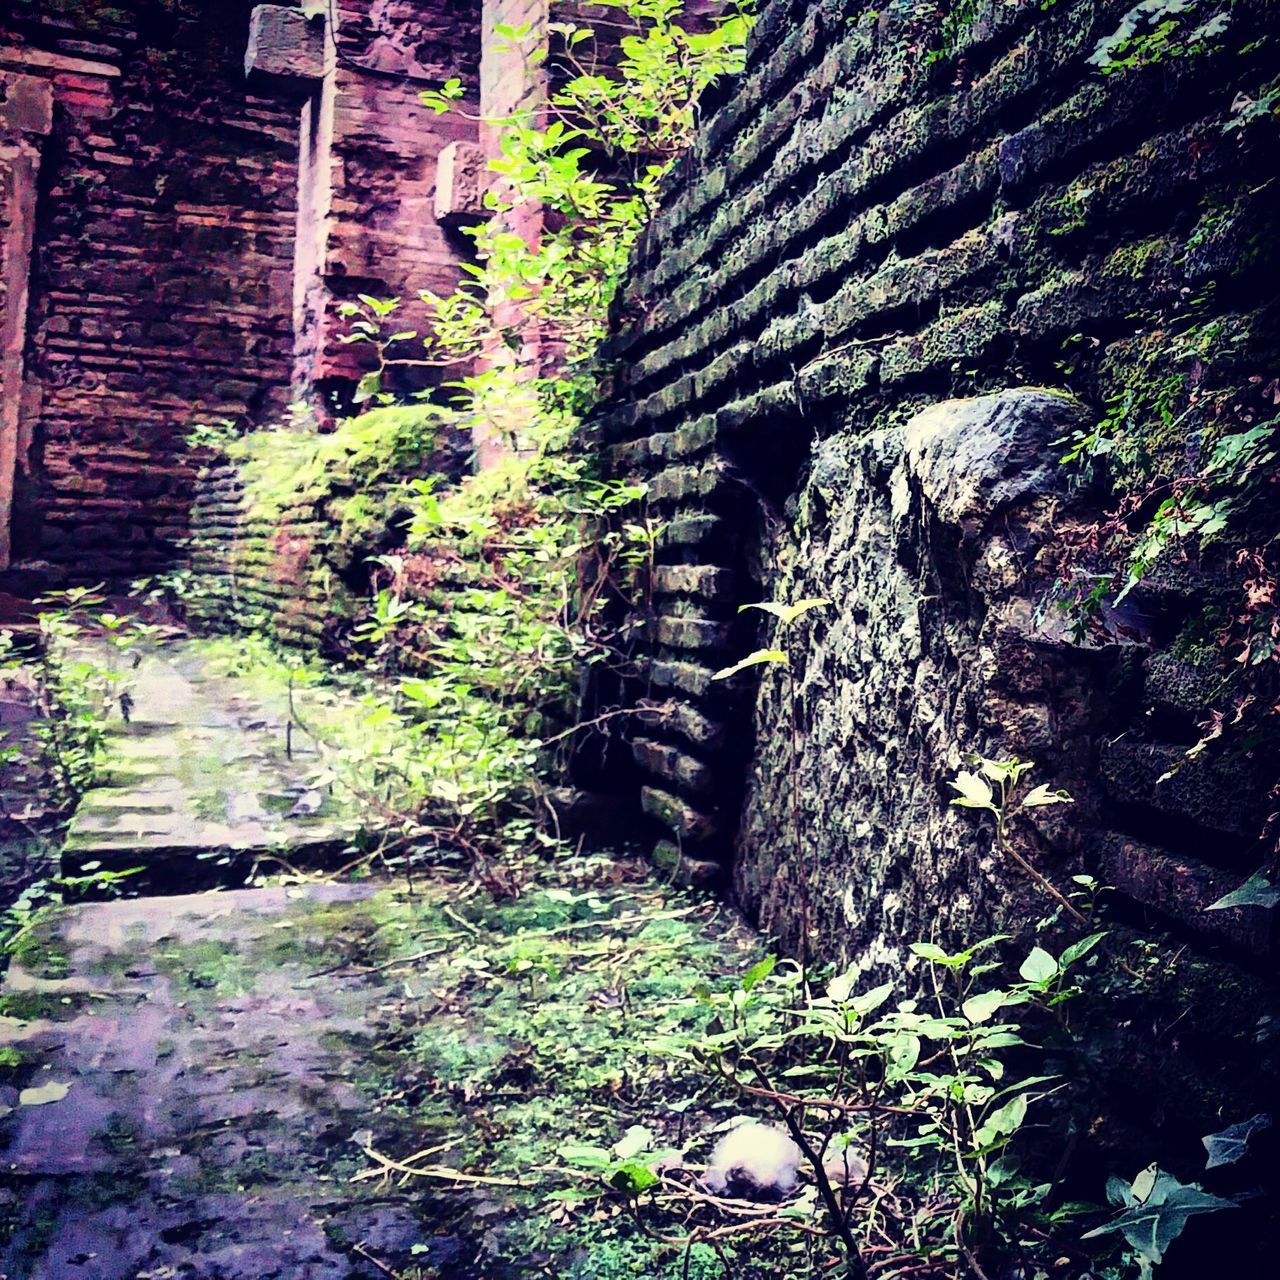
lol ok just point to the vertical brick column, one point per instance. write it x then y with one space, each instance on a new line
26 116
369 221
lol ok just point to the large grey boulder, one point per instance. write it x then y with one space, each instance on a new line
971 459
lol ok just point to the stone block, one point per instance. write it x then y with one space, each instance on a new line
1219 795
690 873
705 581
286 49
687 677
1174 685
974 458
691 633
662 760
26 104
461 182
1182 889
678 816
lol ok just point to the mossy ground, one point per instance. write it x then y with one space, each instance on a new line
257 1056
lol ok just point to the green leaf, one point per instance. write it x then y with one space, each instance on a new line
980 1008
758 972
1002 770
1078 950
760 657
1157 1212
929 951
1004 1120
1229 1145
633 1178
902 1052
1043 795
1118 1193
1038 967
840 987
870 1001
368 386
974 791
786 613
1257 891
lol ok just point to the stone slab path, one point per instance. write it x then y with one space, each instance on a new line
203 780
190 1091
227 1084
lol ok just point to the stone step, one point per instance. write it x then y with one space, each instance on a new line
184 1090
202 783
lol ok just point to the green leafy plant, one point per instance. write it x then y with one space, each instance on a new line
76 695
586 164
505 584
1155 31
919 1102
1153 1211
994 787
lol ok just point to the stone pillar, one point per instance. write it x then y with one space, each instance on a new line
292 53
513 85
26 116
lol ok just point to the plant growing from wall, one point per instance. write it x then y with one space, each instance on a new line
1155 31
995 787
588 165
492 592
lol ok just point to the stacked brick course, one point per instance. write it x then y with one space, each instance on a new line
161 273
864 230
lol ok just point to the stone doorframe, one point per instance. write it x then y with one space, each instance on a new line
26 116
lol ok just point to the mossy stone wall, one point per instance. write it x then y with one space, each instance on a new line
884 214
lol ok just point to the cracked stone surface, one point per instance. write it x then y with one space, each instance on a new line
204 1063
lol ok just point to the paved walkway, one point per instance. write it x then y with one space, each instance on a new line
211 1085
179 1075
203 780
188 1094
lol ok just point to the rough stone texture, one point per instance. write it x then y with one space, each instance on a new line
974 459
461 182
860 234
286 49
925 656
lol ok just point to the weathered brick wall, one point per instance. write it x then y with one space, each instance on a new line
380 234
169 284
283 529
262 569
161 275
881 216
